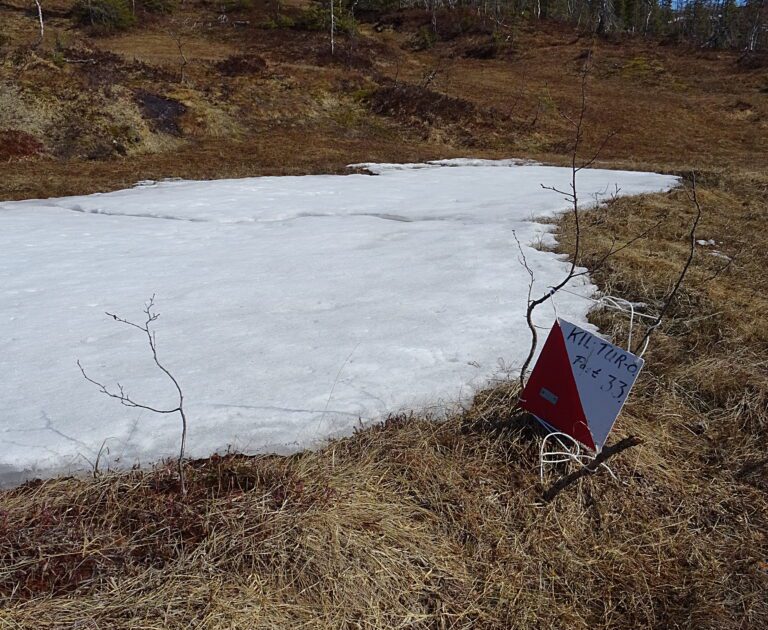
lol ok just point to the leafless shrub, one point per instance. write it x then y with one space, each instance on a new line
572 196
126 400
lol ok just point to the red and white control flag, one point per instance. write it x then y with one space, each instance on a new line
580 383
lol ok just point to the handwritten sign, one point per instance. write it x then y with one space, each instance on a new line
580 383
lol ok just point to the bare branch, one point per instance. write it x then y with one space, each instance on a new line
567 195
40 20
723 268
612 251
693 197
122 397
524 262
591 467
125 400
178 32
573 197
609 136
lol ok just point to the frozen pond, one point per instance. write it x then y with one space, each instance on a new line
291 308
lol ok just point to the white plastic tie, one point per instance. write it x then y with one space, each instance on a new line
567 453
623 306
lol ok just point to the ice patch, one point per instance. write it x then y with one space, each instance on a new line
292 308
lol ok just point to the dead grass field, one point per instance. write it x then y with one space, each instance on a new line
415 524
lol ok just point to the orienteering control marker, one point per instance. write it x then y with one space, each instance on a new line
580 383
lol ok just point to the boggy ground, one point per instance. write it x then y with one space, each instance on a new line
414 523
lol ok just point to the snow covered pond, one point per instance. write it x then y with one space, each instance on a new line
291 307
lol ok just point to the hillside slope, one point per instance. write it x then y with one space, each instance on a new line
101 112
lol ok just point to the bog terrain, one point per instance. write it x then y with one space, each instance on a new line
413 522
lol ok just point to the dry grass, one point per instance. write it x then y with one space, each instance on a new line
409 524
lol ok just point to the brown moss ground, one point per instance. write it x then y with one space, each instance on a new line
419 524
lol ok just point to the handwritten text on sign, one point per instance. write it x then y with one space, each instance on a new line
604 374
617 369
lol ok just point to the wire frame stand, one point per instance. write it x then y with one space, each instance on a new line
560 448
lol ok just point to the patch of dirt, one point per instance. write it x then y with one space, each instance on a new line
162 113
744 111
485 48
15 145
101 67
456 23
754 60
445 25
241 65
351 55
407 101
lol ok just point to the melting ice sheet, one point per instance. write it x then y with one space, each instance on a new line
291 307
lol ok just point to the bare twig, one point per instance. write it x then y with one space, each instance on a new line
126 400
524 262
178 33
591 467
333 28
573 198
40 20
612 252
431 75
723 268
692 196
607 138
90 62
